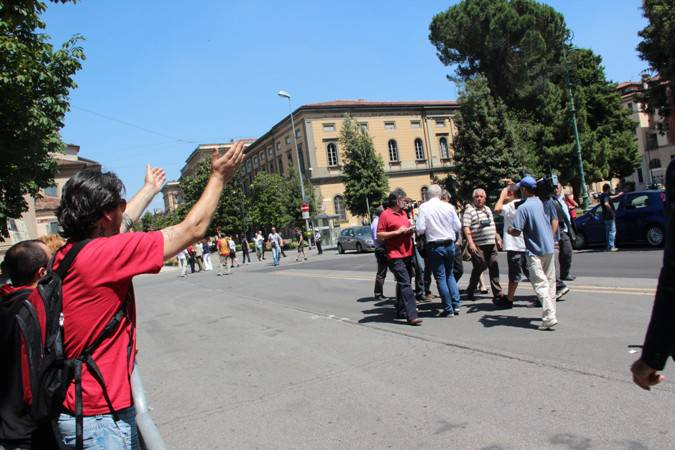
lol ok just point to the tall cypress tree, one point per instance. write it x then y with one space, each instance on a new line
487 144
363 171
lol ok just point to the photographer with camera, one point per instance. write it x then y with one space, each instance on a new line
483 242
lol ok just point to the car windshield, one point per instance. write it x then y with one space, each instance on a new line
363 231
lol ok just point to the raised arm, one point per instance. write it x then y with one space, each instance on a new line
154 180
195 224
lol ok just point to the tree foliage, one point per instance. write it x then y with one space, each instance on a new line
35 79
487 149
363 169
232 210
658 49
520 47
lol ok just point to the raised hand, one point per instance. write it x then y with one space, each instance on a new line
155 177
226 165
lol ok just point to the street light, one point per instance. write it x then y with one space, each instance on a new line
297 151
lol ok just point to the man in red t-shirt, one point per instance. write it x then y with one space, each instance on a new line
99 283
395 231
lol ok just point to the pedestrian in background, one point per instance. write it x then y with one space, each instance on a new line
659 343
233 251
458 265
380 257
301 245
191 258
483 242
567 236
244 249
317 241
182 257
276 243
223 246
206 249
516 252
395 230
572 205
533 221
199 255
609 215
437 221
259 241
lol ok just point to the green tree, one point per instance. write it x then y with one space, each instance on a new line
487 148
658 49
514 43
232 206
156 221
295 197
35 80
269 201
363 169
520 47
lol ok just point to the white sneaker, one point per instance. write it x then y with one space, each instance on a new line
561 292
548 324
613 249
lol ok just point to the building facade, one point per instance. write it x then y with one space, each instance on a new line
40 219
656 142
415 139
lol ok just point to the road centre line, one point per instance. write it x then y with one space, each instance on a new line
574 288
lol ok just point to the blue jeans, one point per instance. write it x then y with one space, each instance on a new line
100 432
442 259
610 230
276 254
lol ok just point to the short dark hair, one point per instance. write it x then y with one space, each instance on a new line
605 187
86 196
395 195
23 260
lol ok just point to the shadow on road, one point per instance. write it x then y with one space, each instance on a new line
496 320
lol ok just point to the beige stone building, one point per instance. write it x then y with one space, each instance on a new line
40 219
415 139
656 148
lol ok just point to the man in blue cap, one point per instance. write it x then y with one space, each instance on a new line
533 221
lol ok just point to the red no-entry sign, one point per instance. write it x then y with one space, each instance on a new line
304 207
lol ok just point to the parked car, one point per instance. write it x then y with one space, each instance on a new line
639 218
355 238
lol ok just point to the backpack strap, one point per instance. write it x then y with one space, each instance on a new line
64 266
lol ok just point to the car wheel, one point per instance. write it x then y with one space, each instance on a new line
655 236
359 249
579 242
340 249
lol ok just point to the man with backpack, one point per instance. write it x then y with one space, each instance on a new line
92 313
25 263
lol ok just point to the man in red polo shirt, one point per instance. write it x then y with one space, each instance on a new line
395 231
99 283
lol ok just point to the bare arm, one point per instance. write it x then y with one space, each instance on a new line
154 179
469 240
500 202
195 224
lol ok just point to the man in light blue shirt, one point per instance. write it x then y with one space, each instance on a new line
380 255
438 222
533 221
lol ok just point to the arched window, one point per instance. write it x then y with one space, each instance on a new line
339 203
443 143
419 149
655 163
393 151
424 193
255 162
332 153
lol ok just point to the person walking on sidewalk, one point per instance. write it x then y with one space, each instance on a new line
276 243
245 257
567 236
483 242
224 253
380 257
259 241
395 230
439 224
301 245
317 242
533 222
516 252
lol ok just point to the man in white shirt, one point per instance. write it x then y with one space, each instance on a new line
516 252
438 222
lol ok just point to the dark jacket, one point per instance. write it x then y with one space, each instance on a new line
660 340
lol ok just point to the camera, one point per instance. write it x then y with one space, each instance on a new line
546 186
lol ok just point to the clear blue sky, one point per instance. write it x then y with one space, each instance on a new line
208 71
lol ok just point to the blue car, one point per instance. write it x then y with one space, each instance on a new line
639 218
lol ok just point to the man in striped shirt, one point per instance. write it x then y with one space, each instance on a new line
483 242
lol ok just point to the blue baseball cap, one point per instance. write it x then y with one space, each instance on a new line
528 182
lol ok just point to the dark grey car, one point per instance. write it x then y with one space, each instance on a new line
355 238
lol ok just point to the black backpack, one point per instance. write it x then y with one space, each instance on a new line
51 373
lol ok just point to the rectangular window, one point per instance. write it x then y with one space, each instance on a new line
327 127
332 153
53 227
289 158
278 146
414 124
363 126
440 123
50 191
288 140
390 125
629 105
297 133
280 162
641 178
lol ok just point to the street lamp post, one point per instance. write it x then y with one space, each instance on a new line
297 151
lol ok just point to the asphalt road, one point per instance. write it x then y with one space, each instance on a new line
301 356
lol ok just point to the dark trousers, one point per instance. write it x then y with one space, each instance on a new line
318 247
382 263
422 272
565 257
458 266
405 299
485 258
245 254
